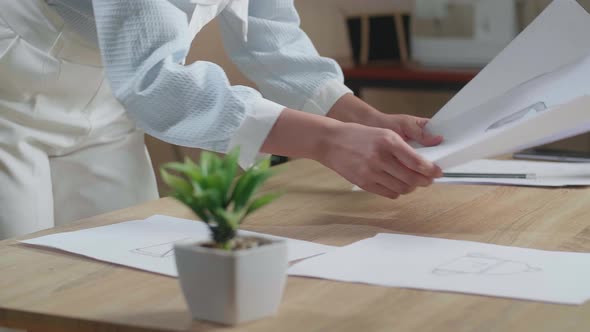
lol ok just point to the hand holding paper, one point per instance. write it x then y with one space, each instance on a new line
378 160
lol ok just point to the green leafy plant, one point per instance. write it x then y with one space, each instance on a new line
212 191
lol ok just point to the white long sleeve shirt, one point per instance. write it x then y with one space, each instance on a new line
143 44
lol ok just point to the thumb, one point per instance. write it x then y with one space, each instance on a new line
415 129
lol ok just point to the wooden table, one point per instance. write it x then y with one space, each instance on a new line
45 290
411 76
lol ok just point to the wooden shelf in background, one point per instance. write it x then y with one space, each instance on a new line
412 77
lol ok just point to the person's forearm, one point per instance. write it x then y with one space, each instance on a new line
350 108
298 134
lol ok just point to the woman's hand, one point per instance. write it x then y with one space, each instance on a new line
378 160
410 128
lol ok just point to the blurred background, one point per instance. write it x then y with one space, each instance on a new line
401 56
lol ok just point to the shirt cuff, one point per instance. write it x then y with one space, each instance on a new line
325 97
253 131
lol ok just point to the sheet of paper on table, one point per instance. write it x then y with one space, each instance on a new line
456 266
534 92
546 174
148 244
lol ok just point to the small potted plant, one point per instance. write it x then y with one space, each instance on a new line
231 278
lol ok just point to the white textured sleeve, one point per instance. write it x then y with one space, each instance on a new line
280 58
143 44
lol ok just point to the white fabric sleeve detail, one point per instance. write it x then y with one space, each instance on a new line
325 97
253 131
278 57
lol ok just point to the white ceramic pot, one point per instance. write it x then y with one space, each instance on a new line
232 287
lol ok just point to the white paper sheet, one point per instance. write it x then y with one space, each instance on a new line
456 266
547 174
536 91
148 244
558 36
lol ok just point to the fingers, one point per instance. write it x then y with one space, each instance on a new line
388 186
378 189
394 184
431 140
394 168
390 178
415 129
412 160
378 160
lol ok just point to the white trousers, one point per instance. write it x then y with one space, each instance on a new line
67 148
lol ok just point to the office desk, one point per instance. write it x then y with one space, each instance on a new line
45 290
412 77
